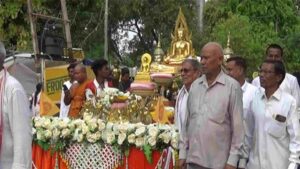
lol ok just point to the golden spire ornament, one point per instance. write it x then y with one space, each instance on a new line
228 52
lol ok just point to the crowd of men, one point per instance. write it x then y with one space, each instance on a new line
227 123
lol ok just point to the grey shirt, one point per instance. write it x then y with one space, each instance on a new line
213 134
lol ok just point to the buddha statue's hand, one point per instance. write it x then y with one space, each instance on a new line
167 59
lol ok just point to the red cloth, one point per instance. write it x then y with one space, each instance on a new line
92 87
137 160
43 159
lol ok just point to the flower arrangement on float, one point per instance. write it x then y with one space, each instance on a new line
100 123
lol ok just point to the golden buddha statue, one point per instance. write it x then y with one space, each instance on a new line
116 70
157 65
144 73
181 46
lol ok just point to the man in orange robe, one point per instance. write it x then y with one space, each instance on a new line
76 95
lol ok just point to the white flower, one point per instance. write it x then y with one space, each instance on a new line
174 143
116 128
87 117
110 137
165 136
140 131
78 122
56 134
79 138
101 125
65 133
104 135
138 125
131 138
174 140
93 137
46 123
63 124
39 135
123 127
47 134
37 121
84 128
153 131
121 138
33 131
71 126
131 127
92 124
152 141
109 126
140 141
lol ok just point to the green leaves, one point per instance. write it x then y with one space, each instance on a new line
253 26
148 152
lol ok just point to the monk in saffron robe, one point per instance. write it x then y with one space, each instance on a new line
76 96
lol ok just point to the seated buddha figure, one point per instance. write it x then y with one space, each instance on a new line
144 73
181 48
157 65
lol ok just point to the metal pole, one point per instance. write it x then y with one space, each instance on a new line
105 30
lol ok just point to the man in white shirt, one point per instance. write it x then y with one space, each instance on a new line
15 121
272 128
64 109
190 71
289 84
236 67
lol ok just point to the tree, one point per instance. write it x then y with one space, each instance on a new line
14 29
253 26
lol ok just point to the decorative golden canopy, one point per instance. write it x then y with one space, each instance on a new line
181 25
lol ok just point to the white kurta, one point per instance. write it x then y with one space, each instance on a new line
17 131
64 109
289 85
180 108
272 143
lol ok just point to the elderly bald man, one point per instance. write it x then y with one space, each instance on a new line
15 121
213 133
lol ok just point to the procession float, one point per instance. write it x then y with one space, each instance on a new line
130 130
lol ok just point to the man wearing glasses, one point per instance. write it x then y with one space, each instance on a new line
289 84
190 71
272 130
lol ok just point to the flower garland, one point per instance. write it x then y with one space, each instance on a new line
57 134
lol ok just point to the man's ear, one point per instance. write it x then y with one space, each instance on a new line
279 78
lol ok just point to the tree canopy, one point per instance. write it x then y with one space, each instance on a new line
134 26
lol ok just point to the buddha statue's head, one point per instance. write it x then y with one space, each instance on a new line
158 52
180 33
